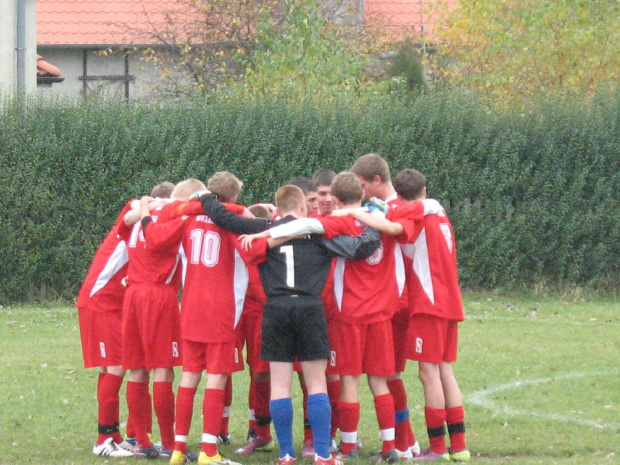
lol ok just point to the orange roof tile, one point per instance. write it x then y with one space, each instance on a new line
106 22
412 14
94 22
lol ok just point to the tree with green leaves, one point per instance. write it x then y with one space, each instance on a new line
521 48
301 57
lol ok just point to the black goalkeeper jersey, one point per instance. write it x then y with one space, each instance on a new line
298 267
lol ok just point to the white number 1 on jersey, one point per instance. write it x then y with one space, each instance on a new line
287 250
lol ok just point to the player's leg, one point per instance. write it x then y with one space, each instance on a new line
281 406
319 409
379 365
224 436
384 408
184 411
455 414
163 402
139 406
222 359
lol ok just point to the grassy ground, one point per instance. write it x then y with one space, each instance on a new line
539 375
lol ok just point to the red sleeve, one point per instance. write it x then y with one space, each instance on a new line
195 208
336 225
234 208
122 229
167 236
256 255
411 218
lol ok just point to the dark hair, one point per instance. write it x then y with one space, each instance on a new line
324 177
409 184
305 184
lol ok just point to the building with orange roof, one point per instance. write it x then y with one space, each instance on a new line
87 39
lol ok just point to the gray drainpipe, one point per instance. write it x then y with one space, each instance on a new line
21 47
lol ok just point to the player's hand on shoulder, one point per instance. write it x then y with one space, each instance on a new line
196 195
375 204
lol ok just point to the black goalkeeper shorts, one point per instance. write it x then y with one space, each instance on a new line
294 328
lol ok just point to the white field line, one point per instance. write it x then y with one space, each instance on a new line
529 319
481 399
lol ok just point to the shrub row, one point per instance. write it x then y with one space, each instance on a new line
533 195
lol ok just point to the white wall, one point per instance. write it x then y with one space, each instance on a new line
70 60
8 44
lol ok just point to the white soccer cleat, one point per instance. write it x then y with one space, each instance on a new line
110 449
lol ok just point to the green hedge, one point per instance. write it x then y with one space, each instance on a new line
533 195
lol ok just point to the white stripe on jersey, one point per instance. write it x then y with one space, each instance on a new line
422 266
240 287
400 269
339 280
174 269
117 260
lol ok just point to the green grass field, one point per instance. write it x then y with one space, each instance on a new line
539 377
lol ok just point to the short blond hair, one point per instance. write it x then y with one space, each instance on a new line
186 188
289 198
225 185
347 188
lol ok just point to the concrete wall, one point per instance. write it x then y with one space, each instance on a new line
70 60
8 44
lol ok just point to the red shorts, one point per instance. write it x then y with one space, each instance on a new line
432 339
250 328
101 334
358 349
215 357
400 327
151 331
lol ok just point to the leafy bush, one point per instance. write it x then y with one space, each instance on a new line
533 195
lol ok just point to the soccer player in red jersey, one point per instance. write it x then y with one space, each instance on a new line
259 431
374 173
151 333
216 281
100 304
436 309
325 201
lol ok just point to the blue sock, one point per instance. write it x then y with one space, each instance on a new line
320 417
282 417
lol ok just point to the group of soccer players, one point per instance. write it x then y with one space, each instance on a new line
307 287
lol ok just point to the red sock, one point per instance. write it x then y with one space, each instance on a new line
252 406
138 403
384 405
228 396
184 411
163 398
212 409
435 419
349 417
108 400
307 429
333 391
455 418
404 432
261 409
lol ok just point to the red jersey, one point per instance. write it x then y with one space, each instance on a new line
103 289
433 284
255 297
394 202
216 280
366 291
147 266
